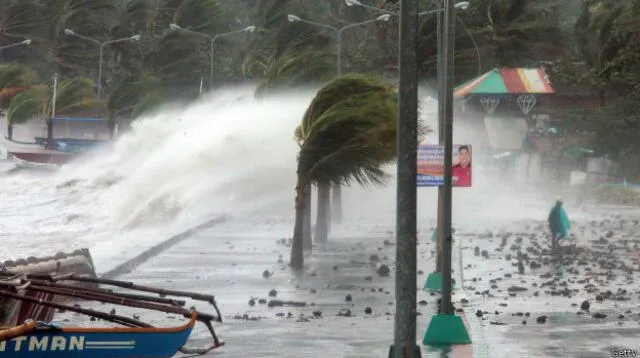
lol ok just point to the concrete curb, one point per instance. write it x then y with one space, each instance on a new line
155 250
476 329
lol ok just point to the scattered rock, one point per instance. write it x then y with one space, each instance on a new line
585 305
383 270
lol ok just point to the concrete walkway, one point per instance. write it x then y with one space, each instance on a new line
230 265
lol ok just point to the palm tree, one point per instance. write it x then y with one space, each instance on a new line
14 79
72 95
516 33
133 96
291 54
345 136
600 42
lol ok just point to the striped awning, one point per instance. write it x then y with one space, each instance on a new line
501 81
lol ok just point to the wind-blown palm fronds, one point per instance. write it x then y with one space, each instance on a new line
339 142
73 95
14 78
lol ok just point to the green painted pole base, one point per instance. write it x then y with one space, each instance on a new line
444 330
434 282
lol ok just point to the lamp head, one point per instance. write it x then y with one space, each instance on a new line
27 42
175 27
69 32
352 3
250 28
462 5
293 18
384 17
136 37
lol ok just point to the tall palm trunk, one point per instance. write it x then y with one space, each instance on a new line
296 260
323 216
308 244
336 204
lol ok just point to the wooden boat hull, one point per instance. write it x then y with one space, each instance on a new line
43 158
63 150
53 342
13 312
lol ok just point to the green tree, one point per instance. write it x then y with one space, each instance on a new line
14 78
345 136
72 95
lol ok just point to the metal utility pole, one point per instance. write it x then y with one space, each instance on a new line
101 45
212 41
448 44
406 206
440 85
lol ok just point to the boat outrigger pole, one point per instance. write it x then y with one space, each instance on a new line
10 288
125 321
123 284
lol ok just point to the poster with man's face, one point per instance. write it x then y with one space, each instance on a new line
431 165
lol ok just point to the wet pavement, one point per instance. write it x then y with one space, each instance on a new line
229 261
231 266
601 270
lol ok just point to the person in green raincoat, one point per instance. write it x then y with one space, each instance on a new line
558 224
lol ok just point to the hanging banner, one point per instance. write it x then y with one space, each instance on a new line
431 165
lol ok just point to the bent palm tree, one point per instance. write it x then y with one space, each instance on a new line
72 95
133 96
345 136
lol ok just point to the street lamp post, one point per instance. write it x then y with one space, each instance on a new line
212 39
21 43
439 11
102 45
338 32
462 5
446 328
404 345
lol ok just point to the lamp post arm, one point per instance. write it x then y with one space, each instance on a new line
109 42
216 37
87 38
328 27
475 44
12 45
196 33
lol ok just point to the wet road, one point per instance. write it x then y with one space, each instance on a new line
230 266
229 262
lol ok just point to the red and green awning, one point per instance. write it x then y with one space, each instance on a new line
501 81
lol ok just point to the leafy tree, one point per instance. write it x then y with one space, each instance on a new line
337 145
72 95
14 78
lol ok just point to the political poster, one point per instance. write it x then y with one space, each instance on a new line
431 165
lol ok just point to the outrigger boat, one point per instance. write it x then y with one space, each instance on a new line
136 339
13 312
